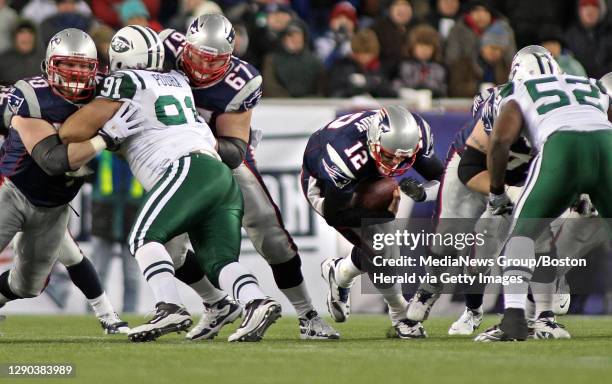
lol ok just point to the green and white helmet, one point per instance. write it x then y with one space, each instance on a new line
136 47
533 60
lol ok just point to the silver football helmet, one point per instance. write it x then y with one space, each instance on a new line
533 60
136 47
71 64
394 138
208 49
606 82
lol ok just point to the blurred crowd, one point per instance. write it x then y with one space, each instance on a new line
316 48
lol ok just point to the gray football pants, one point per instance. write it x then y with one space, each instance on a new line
37 249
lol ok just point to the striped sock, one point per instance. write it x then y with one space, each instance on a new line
238 281
158 270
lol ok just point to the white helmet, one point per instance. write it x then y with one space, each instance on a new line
533 60
136 47
606 83
71 64
395 134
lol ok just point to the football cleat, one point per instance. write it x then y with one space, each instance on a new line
312 327
420 305
469 321
512 328
338 298
259 314
408 329
214 317
168 318
112 324
546 327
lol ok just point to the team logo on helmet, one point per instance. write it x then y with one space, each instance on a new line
231 36
55 41
193 28
120 44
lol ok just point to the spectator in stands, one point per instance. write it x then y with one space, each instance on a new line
360 73
67 16
116 196
491 66
292 70
444 17
336 42
134 12
590 39
551 38
38 10
8 20
107 11
23 59
102 35
527 16
392 32
190 10
266 29
423 68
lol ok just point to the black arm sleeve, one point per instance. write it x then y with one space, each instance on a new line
51 155
231 150
338 212
472 163
431 168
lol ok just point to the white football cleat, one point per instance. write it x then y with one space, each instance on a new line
469 321
420 305
112 324
407 329
313 327
546 327
259 314
168 318
214 317
338 298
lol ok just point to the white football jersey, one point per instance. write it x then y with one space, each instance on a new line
172 129
557 103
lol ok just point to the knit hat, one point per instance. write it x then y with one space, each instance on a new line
594 3
132 8
344 8
496 35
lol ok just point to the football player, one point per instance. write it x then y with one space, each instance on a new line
226 90
36 182
189 189
564 118
351 149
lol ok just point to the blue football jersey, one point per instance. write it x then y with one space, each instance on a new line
34 98
338 153
238 91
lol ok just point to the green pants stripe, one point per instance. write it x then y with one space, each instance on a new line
201 199
571 163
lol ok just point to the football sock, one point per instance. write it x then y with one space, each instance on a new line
396 302
85 278
208 292
101 305
346 272
519 252
158 270
543 294
299 298
237 280
6 294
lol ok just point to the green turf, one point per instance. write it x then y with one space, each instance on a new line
363 355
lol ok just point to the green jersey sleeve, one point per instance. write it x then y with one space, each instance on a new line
121 85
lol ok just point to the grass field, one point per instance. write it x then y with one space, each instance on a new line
363 355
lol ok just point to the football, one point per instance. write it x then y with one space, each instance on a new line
375 194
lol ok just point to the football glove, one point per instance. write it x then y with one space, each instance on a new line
413 189
500 205
124 123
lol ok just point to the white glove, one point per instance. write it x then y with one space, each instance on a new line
124 123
